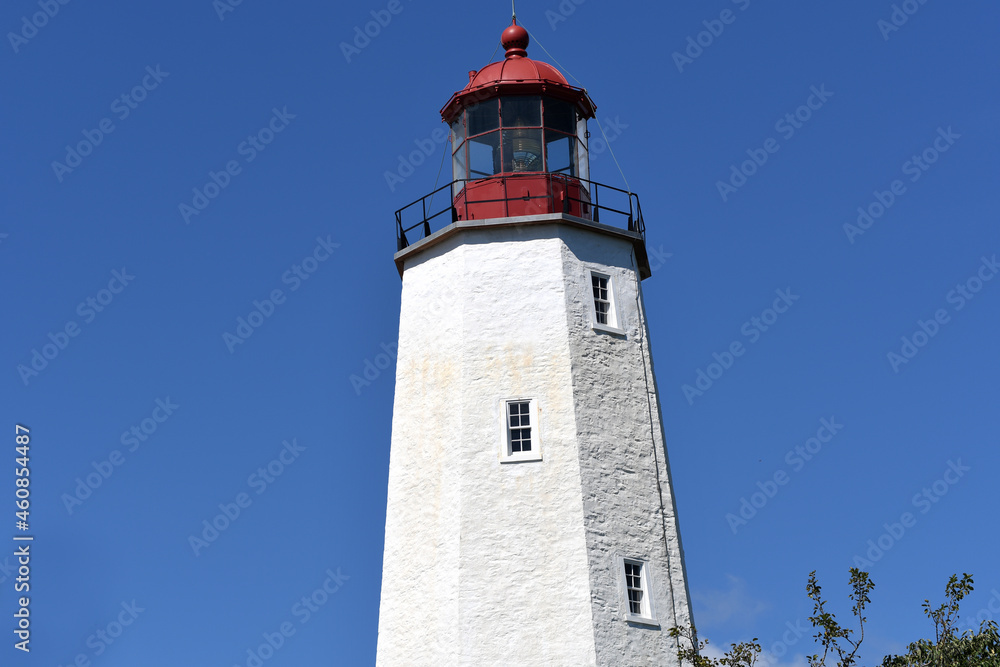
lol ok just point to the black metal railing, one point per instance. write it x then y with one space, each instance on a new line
415 217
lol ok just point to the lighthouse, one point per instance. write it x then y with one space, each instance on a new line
531 517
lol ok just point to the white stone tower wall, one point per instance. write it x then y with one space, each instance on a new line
490 563
419 610
628 496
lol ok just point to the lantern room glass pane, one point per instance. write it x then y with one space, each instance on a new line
483 117
560 115
459 166
484 155
583 162
457 132
560 153
522 150
521 111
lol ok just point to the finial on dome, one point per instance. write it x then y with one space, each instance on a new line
515 40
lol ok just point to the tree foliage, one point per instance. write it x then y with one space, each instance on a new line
834 638
949 648
841 644
743 654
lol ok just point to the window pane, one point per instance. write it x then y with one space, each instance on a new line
560 153
521 111
484 155
560 116
633 582
459 168
600 287
522 150
519 430
483 117
458 131
602 308
583 164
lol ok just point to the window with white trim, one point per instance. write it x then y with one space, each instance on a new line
633 587
602 301
635 582
520 441
603 309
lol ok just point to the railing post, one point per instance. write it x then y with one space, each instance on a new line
506 197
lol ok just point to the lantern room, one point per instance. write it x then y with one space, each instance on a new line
520 155
519 138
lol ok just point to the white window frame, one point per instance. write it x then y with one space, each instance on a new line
647 615
614 321
506 455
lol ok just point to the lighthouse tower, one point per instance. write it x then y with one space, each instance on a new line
531 517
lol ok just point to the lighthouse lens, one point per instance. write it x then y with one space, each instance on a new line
522 150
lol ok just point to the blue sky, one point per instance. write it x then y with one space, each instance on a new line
750 153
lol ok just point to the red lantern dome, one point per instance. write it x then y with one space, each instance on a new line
516 72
